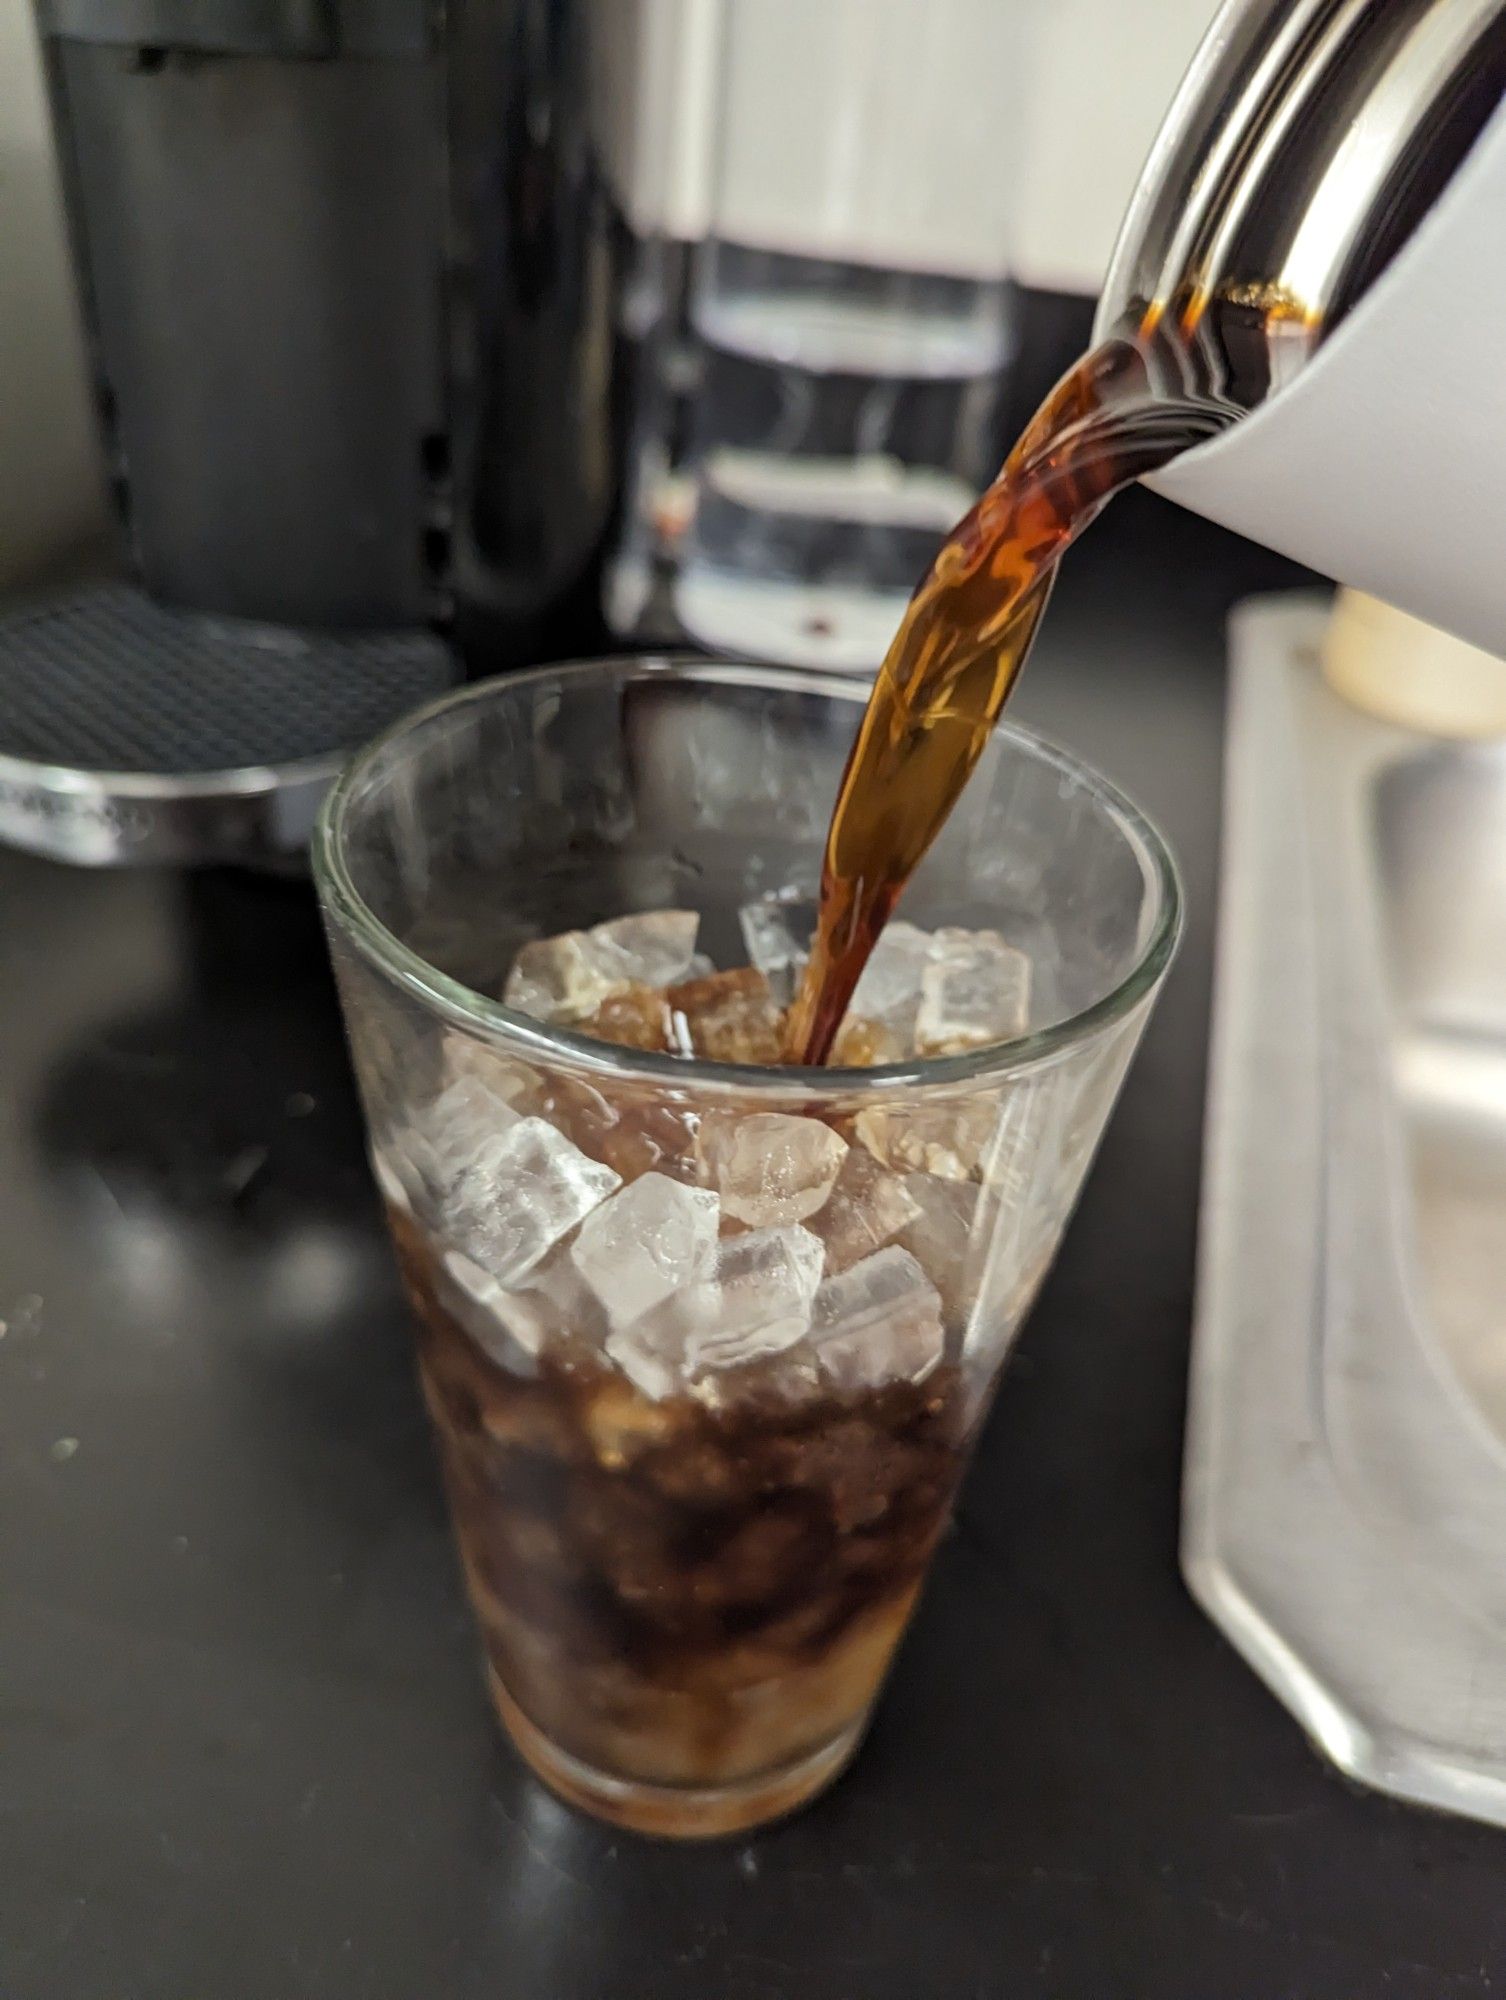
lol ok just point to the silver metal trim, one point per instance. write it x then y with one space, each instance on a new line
1293 127
262 815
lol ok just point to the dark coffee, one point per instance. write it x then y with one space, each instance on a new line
683 1594
1125 409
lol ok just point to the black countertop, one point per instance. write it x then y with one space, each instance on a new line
245 1751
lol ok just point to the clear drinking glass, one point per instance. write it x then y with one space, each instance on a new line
691 1558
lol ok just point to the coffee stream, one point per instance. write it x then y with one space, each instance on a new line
1130 405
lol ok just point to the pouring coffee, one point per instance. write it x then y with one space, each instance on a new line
1295 316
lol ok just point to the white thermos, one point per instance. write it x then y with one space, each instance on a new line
1345 162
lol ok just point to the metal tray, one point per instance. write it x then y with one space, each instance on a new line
1345 1491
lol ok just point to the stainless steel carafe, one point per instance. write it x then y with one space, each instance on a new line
1344 163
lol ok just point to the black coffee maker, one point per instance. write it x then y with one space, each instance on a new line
348 271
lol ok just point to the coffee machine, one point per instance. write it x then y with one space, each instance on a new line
346 269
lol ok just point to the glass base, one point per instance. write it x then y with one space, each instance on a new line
676 1812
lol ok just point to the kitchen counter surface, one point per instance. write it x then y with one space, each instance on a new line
245 1753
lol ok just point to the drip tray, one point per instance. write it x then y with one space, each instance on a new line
1345 1496
133 733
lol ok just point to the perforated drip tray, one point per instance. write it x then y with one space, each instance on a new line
130 732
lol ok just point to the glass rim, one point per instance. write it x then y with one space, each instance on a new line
543 1041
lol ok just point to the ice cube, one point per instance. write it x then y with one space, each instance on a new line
975 991
454 1129
770 1168
650 948
510 1328
504 1076
948 1136
512 1325
567 978
878 1322
651 1352
944 1237
786 1376
763 1283
865 1044
777 931
889 989
755 1304
521 1194
653 1238
940 1230
726 1017
635 1018
867 1208
562 978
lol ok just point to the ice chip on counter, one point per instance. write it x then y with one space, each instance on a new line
523 1192
770 1168
975 991
726 1017
652 1238
867 1208
879 1321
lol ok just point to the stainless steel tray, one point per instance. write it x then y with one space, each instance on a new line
1345 1493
